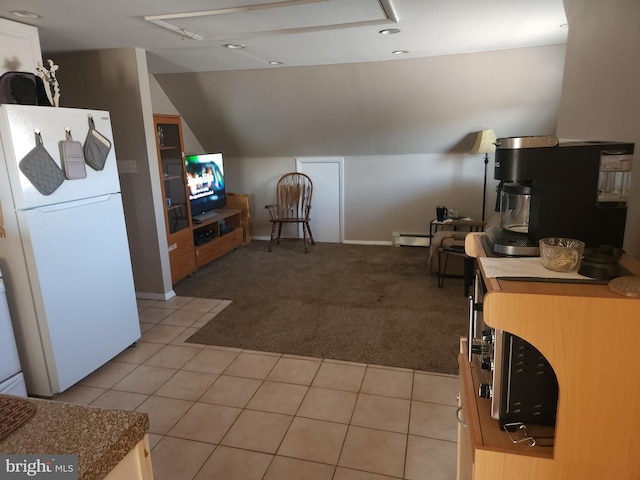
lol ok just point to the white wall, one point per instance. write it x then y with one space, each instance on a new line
601 89
403 128
383 193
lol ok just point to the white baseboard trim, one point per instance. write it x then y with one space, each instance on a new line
155 296
350 242
367 242
411 239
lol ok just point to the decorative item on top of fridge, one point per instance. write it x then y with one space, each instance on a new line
52 87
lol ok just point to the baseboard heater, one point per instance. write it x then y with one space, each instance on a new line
406 239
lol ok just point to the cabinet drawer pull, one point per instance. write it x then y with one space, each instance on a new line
458 419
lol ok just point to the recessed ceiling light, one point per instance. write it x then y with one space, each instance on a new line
400 52
234 46
24 14
275 62
389 31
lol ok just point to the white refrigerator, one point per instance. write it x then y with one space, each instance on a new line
64 254
11 377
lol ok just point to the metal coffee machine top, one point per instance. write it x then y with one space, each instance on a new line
551 188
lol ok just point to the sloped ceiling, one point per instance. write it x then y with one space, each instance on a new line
190 35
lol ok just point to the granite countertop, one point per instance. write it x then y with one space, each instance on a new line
100 437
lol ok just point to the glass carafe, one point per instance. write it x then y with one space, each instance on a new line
515 202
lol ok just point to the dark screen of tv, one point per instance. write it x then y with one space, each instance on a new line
205 180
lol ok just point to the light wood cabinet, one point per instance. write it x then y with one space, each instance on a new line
191 245
464 450
240 202
177 211
216 241
590 337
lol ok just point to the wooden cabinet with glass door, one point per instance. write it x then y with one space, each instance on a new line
177 212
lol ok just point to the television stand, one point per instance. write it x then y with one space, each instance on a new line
223 232
204 216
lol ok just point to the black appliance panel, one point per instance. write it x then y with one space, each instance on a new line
564 182
530 387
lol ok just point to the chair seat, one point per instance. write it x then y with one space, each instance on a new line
444 253
453 243
445 239
450 243
453 249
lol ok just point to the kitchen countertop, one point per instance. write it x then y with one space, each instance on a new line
100 437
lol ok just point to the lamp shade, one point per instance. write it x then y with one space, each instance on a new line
485 142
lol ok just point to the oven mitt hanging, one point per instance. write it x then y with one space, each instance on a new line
96 147
72 158
42 171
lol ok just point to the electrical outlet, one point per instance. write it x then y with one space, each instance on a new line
127 166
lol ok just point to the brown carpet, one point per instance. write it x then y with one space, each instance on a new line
361 303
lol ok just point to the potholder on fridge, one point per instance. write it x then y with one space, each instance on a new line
42 171
96 147
72 158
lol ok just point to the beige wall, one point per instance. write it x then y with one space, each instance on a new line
161 105
117 80
403 127
601 90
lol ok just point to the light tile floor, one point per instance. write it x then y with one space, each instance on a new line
233 414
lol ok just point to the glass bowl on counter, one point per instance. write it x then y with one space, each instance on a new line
561 254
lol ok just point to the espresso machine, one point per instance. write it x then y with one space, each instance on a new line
548 188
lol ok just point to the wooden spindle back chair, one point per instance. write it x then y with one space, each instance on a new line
293 205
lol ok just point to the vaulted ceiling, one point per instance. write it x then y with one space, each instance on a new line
195 35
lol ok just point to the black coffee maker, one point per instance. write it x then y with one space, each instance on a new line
574 189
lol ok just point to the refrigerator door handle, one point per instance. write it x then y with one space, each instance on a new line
75 203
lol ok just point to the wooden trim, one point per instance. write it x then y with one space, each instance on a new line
468 399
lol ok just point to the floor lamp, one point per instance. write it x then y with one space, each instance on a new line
485 143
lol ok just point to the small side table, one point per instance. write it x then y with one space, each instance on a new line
443 255
454 223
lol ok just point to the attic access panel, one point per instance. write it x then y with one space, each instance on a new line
274 17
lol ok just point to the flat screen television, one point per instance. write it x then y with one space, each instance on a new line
205 180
